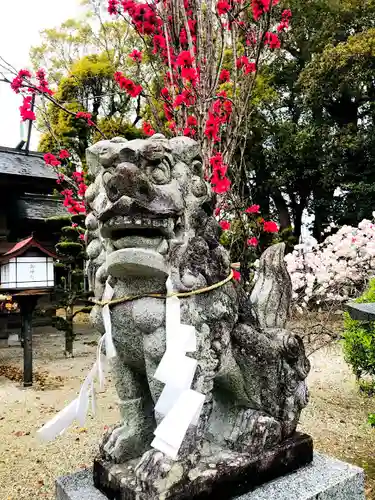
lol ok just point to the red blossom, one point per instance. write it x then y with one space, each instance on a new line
220 185
186 97
285 18
248 66
159 43
81 237
77 176
192 121
136 55
25 109
217 164
212 128
147 129
190 74
113 6
51 159
272 40
168 111
16 84
189 132
165 93
64 154
128 85
43 84
74 207
253 209
222 109
184 59
224 75
270 227
217 211
223 7
74 224
24 73
18 81
259 7
60 178
236 275
85 116
179 100
225 225
82 188
252 242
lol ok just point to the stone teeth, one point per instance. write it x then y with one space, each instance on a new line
160 223
163 247
138 222
127 220
146 222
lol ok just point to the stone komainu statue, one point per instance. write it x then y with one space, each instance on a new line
150 215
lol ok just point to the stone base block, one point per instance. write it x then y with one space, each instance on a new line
324 479
219 473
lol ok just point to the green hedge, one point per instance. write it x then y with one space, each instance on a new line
359 339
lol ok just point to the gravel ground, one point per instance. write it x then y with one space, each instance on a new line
335 417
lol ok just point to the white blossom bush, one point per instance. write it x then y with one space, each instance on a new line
335 270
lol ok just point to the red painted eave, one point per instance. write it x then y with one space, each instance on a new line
21 247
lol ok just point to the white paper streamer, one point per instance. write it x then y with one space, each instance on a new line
78 408
178 403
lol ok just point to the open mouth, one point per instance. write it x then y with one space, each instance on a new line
139 232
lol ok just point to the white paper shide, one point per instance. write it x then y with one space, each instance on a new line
178 403
78 408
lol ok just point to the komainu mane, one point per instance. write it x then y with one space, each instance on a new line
150 218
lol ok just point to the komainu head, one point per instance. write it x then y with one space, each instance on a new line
151 212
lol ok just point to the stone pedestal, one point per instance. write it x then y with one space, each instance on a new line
219 473
324 479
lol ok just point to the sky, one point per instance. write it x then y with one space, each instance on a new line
19 30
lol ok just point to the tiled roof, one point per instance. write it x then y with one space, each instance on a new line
39 207
16 162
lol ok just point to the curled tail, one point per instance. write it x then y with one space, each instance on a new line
272 293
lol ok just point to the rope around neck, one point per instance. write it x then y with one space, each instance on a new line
128 298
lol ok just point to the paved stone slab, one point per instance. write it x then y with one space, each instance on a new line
361 312
325 479
78 486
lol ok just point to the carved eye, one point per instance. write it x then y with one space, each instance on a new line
159 174
110 186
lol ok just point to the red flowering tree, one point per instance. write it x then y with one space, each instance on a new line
206 59
208 56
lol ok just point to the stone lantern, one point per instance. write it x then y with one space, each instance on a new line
27 272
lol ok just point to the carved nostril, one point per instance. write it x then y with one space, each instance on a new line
114 191
144 189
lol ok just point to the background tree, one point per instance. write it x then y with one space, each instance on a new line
70 267
69 291
81 57
300 149
88 87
